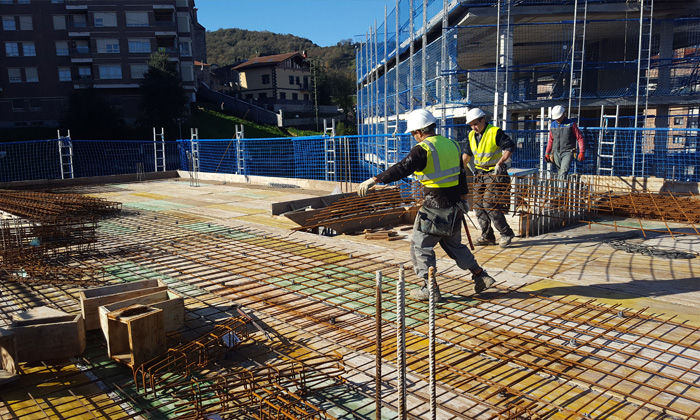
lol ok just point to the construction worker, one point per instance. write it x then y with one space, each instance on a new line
563 136
436 162
491 149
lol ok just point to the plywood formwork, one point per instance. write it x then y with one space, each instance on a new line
172 304
135 335
43 334
514 351
92 299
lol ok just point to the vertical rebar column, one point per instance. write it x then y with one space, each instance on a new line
424 45
411 52
386 78
401 345
378 357
431 341
397 103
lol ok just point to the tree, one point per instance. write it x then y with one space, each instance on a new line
89 116
164 97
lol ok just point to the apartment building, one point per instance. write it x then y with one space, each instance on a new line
52 47
281 81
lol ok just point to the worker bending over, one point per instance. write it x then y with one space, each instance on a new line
491 149
563 136
436 163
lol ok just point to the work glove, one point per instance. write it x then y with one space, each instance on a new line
464 206
580 156
365 186
500 169
546 158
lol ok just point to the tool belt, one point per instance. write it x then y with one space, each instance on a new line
439 222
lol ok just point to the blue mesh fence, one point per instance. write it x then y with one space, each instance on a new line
22 161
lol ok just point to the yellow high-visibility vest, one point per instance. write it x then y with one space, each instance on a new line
442 168
487 153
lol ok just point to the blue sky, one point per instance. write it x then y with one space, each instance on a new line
324 22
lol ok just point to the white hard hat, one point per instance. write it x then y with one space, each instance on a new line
474 114
557 112
420 118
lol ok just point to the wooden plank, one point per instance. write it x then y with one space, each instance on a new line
51 340
90 306
136 334
172 304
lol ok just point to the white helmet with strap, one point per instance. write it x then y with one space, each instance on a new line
474 114
420 118
557 112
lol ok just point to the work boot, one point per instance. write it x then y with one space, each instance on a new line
506 240
423 294
482 281
484 241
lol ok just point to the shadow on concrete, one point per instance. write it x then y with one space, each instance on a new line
630 290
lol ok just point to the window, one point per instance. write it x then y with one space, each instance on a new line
5 1
64 74
678 140
306 96
32 74
103 19
283 95
306 80
57 1
138 70
8 23
136 18
187 71
139 45
265 79
19 105
85 72
62 48
12 49
110 71
25 23
79 21
295 96
59 22
185 49
14 75
108 46
28 49
23 1
297 80
291 80
82 46
34 105
678 120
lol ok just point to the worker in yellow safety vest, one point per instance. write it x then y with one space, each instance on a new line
491 150
436 162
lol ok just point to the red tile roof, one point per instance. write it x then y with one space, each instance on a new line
267 60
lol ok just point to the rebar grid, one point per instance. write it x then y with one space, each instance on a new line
296 378
386 204
179 361
265 268
46 229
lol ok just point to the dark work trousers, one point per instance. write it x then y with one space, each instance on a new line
491 199
423 254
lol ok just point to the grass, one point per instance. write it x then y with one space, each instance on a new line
213 124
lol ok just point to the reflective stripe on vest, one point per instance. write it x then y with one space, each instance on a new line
442 167
487 153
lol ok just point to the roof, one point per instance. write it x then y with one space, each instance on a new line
267 60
